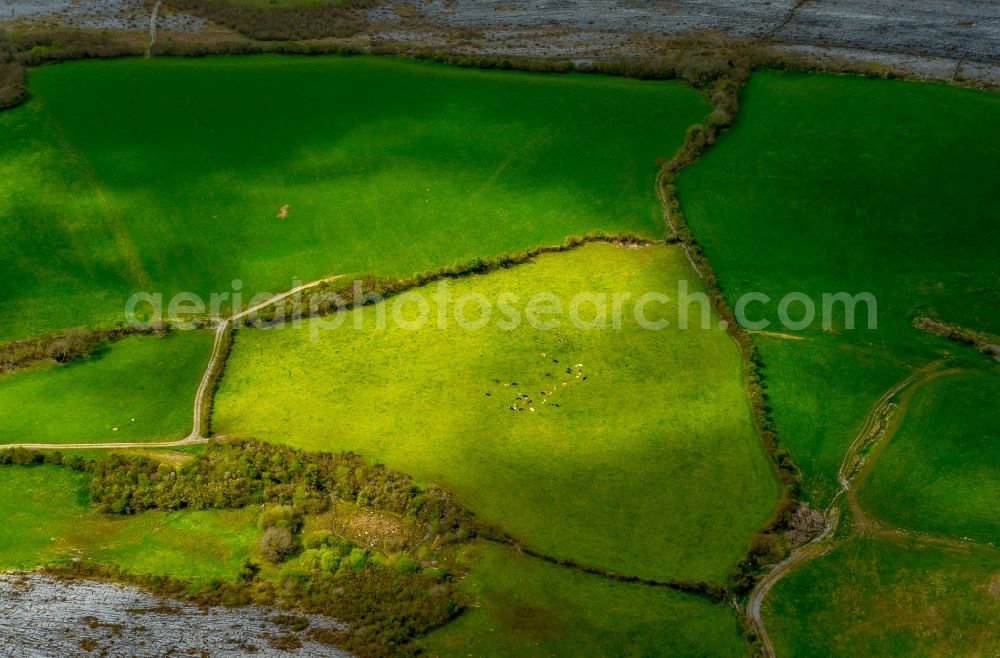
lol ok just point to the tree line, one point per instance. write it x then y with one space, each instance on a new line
239 473
70 345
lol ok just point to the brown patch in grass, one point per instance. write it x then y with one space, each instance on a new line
994 587
372 527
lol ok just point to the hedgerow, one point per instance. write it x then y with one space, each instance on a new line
67 346
238 473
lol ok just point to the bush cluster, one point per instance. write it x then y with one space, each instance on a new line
62 348
385 609
386 601
236 474
981 342
25 457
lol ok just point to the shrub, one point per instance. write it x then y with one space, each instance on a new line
406 564
317 540
358 559
277 544
74 344
280 516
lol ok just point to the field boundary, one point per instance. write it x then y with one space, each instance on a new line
984 343
724 97
702 589
211 377
206 388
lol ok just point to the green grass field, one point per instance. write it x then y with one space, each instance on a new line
838 183
143 385
941 471
525 607
114 180
648 466
47 519
821 390
889 597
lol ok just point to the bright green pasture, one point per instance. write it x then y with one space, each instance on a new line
526 607
47 519
143 385
883 597
639 455
839 183
168 175
940 473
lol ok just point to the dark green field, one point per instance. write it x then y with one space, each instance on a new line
890 597
139 389
941 471
530 608
838 183
386 166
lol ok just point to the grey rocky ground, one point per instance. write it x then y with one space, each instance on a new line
42 617
936 39
939 38
94 14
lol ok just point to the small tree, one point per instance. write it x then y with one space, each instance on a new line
74 344
277 544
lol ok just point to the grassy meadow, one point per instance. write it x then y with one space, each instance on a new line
895 596
526 607
821 389
47 519
639 455
142 385
839 183
268 168
940 473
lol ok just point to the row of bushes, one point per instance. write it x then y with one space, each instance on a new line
239 473
306 30
72 344
33 49
13 90
712 591
345 294
214 380
25 457
769 544
981 342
